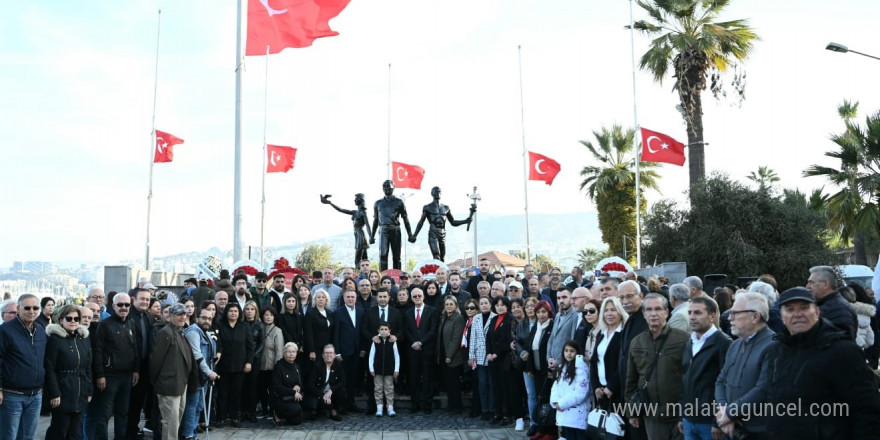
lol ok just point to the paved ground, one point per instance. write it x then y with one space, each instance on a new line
436 426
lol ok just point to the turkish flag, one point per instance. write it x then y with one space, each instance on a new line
165 143
542 168
658 147
407 176
280 24
281 158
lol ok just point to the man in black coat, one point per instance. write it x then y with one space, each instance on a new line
702 360
818 369
347 341
420 324
835 309
482 275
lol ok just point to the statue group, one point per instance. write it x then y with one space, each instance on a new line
388 212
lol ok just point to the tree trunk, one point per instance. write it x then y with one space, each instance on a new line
860 256
690 92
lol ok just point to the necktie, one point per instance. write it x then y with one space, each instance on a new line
382 314
418 317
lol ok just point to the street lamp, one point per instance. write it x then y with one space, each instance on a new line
837 47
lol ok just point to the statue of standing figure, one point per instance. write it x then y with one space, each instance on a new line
386 214
437 213
358 221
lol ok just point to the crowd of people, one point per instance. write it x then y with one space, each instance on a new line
672 361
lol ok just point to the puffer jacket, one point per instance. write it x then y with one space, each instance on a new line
572 397
820 370
68 367
864 334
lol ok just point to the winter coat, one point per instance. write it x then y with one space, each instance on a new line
865 334
836 310
572 398
477 344
824 368
664 385
258 335
236 347
742 382
449 333
173 370
273 347
115 347
68 368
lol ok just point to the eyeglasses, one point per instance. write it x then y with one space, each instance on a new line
71 318
590 311
31 308
470 308
733 313
123 305
97 297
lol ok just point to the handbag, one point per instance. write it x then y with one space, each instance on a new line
640 398
604 425
545 415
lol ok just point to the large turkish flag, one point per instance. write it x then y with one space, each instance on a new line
289 23
658 147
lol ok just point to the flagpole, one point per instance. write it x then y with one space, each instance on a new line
238 217
524 155
265 118
636 140
153 140
388 148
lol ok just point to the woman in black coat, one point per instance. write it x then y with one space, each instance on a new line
258 335
612 318
68 374
235 347
318 327
287 388
536 363
498 340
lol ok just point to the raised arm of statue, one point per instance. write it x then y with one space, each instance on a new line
326 200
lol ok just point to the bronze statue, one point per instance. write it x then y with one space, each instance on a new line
386 212
437 214
358 221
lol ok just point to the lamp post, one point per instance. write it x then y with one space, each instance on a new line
624 244
837 47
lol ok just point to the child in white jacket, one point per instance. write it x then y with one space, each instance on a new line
570 393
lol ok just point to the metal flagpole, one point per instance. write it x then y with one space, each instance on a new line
238 217
475 197
265 151
388 164
637 142
524 155
153 140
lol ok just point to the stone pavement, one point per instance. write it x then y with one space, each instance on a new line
437 426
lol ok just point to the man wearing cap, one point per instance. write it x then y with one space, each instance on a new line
403 281
514 290
172 371
835 309
818 369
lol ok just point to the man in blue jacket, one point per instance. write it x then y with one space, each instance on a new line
22 351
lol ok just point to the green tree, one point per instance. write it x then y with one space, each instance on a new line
854 210
588 258
611 185
688 37
314 257
519 254
543 262
765 177
410 264
739 231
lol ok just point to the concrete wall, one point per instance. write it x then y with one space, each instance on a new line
676 272
123 278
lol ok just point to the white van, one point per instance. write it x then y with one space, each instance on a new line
857 273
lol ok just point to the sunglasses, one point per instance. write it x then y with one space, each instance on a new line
590 311
123 305
511 276
71 318
470 308
31 308
262 281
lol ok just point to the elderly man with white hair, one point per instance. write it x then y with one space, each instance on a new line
679 296
8 310
695 284
774 320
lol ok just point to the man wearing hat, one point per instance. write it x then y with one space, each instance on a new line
172 371
818 370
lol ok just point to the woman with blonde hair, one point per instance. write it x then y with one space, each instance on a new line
604 378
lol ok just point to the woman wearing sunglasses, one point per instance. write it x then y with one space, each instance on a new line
68 373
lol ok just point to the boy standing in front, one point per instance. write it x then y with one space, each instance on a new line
384 367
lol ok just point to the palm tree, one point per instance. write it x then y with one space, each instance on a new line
589 257
854 211
765 177
688 37
611 183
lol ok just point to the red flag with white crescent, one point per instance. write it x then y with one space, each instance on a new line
164 151
658 147
280 158
542 168
280 24
407 176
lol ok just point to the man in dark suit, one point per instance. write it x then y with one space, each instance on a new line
370 332
420 324
347 340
